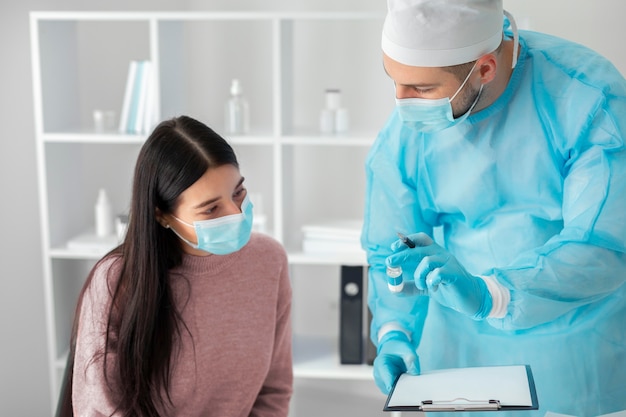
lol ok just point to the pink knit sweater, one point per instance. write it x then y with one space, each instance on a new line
237 307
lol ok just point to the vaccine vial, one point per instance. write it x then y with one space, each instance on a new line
394 278
237 111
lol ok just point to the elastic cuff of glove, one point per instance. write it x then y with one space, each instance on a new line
486 303
500 297
392 330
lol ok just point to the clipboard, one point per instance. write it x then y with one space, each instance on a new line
488 388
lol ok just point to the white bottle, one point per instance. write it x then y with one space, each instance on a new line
103 215
237 111
342 121
327 116
333 118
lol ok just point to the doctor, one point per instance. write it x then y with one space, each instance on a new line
513 147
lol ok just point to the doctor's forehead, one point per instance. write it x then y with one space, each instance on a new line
416 76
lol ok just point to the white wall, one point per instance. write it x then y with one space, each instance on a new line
598 24
23 370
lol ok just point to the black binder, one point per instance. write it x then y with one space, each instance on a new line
351 315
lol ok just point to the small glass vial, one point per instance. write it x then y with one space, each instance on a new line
237 111
104 120
394 278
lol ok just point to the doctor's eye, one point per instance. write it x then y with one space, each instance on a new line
423 90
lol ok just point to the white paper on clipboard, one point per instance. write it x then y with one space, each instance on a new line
457 389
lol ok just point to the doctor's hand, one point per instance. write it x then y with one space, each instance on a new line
396 355
440 273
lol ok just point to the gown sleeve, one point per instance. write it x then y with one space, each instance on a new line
586 261
391 206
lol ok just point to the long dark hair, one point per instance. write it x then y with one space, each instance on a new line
177 153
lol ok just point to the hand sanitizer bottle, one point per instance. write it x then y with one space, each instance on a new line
103 214
237 111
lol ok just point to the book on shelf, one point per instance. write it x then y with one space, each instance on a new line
149 109
128 92
138 108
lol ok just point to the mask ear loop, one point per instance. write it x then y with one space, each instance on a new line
515 37
464 82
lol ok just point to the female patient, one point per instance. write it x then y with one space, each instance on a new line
190 315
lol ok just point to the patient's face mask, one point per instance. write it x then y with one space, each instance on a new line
433 115
223 235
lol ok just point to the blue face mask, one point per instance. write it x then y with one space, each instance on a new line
428 115
223 235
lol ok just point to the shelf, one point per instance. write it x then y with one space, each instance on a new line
267 139
200 15
301 258
92 137
297 258
330 140
318 358
256 139
65 253
312 358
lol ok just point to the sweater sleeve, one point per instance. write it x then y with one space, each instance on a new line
273 399
92 396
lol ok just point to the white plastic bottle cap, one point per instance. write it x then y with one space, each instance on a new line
235 87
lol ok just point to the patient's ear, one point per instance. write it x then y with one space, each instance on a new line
160 217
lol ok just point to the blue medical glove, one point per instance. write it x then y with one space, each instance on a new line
445 279
396 355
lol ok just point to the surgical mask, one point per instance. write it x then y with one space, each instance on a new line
433 115
223 235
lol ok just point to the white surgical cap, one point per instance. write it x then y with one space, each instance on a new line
441 33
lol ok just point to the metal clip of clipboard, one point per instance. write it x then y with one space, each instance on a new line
460 404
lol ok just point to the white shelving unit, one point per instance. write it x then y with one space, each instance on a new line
285 62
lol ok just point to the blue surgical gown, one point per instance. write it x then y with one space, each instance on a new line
530 191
